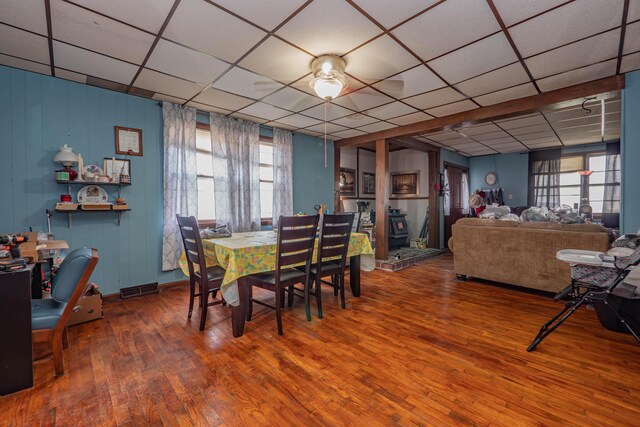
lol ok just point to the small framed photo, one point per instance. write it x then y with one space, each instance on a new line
128 141
405 184
119 170
368 183
347 182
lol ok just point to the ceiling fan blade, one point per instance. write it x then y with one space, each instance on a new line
393 87
347 102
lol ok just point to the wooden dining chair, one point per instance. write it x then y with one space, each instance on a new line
296 238
208 284
49 316
331 261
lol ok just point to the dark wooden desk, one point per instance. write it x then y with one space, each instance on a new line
16 366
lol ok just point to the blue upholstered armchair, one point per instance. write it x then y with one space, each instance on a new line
49 316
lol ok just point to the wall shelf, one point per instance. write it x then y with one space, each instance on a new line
118 185
69 213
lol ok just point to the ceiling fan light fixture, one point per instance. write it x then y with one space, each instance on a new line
329 78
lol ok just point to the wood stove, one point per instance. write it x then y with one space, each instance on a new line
398 230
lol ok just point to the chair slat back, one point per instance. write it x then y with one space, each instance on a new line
192 243
296 238
80 287
334 238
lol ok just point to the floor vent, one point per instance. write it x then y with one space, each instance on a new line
135 291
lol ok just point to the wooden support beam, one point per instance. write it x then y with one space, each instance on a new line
434 201
415 144
336 180
382 199
516 107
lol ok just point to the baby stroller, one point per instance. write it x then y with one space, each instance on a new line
599 279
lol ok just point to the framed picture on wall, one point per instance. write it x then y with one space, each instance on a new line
128 141
347 182
118 169
368 184
405 184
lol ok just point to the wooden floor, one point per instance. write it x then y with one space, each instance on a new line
417 348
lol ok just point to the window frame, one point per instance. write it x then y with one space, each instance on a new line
203 223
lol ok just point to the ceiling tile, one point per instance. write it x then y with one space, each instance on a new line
414 81
514 11
278 60
329 26
333 111
299 121
349 133
23 44
185 63
355 120
480 129
634 11
522 122
487 136
70 75
530 129
566 24
585 52
581 75
509 94
410 118
202 26
443 136
158 82
363 99
366 63
167 98
264 111
266 13
331 128
630 63
292 99
146 14
375 127
393 109
309 132
544 144
246 83
280 125
537 135
23 64
27 14
501 142
487 54
92 64
222 99
632 38
89 30
435 98
453 108
505 77
390 15
471 19
248 117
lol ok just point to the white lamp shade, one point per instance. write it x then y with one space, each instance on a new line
327 88
66 157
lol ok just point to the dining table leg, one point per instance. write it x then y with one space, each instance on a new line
239 312
354 275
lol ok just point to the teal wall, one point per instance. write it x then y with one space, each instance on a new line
512 171
38 114
630 153
312 181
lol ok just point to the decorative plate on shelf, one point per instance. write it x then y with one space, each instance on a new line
92 171
92 194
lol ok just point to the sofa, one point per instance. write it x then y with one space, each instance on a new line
521 254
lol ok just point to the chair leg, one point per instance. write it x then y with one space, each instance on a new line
319 297
65 338
628 323
334 279
249 303
289 297
58 359
192 292
279 301
342 302
204 305
552 324
307 305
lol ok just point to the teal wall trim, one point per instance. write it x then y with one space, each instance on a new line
630 153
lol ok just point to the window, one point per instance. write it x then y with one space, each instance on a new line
204 159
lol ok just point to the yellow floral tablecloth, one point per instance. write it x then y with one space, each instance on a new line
255 252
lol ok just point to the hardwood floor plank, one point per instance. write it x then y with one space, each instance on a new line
418 348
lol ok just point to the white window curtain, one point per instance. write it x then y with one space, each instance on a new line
282 174
236 170
180 183
446 198
465 193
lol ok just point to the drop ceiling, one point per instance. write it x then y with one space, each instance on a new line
407 61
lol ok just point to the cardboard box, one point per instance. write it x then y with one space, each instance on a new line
28 249
88 308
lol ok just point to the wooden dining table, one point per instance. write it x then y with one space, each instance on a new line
248 253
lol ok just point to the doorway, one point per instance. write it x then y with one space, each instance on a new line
456 203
